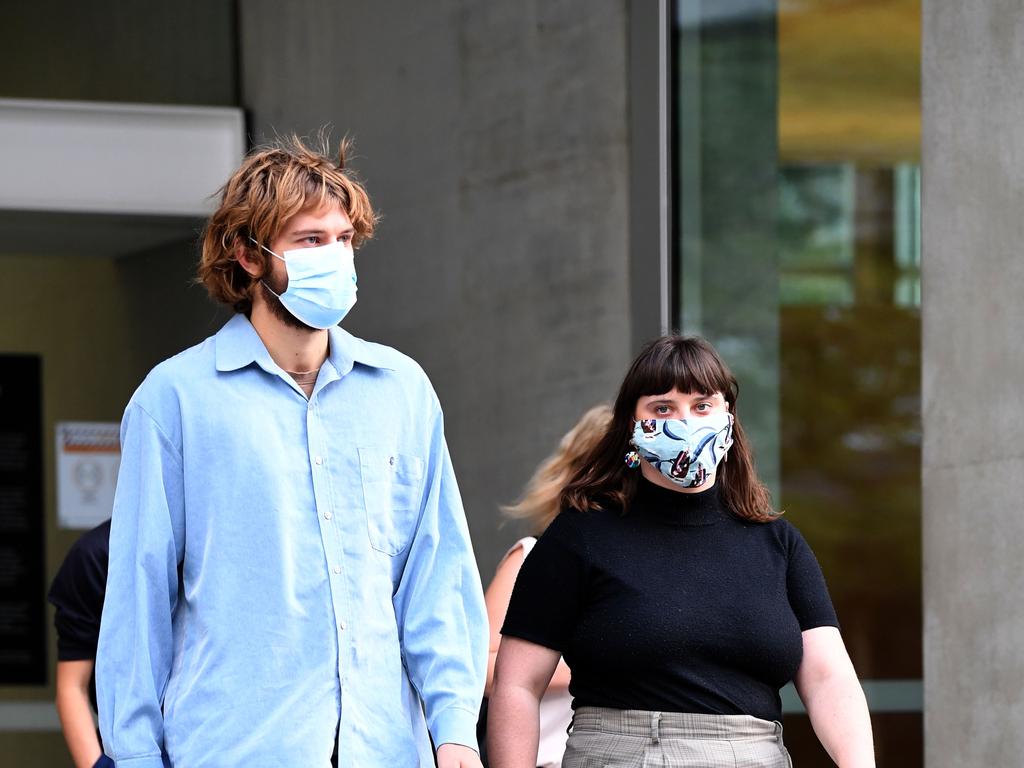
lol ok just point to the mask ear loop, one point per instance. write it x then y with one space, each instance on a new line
262 281
725 457
261 245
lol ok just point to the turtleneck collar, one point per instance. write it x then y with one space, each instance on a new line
675 508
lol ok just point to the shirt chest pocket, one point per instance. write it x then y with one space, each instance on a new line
393 494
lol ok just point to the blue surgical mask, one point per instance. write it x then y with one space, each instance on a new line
686 451
321 283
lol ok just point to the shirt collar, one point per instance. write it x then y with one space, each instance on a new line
238 345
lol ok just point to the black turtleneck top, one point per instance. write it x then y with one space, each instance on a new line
677 606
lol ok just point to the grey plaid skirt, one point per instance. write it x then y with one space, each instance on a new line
634 738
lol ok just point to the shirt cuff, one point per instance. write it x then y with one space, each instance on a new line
146 761
455 726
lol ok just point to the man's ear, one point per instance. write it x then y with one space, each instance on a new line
250 263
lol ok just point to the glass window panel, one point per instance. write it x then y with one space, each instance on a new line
797 208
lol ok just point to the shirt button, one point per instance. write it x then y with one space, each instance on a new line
341 625
337 569
319 460
391 461
328 515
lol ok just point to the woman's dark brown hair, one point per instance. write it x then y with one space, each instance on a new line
688 364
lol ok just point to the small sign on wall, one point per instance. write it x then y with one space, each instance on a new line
88 455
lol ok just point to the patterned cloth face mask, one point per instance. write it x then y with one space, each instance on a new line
321 283
684 451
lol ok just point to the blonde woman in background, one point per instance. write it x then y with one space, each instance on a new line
539 506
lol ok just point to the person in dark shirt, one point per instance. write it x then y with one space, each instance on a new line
77 594
679 599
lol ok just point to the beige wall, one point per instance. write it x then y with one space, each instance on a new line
67 311
99 324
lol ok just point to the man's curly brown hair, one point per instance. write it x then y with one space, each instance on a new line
274 183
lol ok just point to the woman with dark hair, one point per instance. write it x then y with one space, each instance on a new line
680 600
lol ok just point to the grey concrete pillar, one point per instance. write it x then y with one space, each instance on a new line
494 137
973 406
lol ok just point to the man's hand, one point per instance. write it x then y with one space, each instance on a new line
457 756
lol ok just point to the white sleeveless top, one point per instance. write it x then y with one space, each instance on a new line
555 707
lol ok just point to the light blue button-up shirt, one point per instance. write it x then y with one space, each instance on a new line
281 567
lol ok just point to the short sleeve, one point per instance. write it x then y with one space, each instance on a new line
808 593
77 594
551 586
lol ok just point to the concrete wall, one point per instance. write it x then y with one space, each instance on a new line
973 462
169 311
120 50
493 136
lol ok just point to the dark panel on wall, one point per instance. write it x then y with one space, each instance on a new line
22 619
119 50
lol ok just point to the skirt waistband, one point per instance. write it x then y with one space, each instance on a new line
673 725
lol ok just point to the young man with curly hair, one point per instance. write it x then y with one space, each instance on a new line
290 567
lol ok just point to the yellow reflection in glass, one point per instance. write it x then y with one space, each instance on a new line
849 81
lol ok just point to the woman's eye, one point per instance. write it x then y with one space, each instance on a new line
661 409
